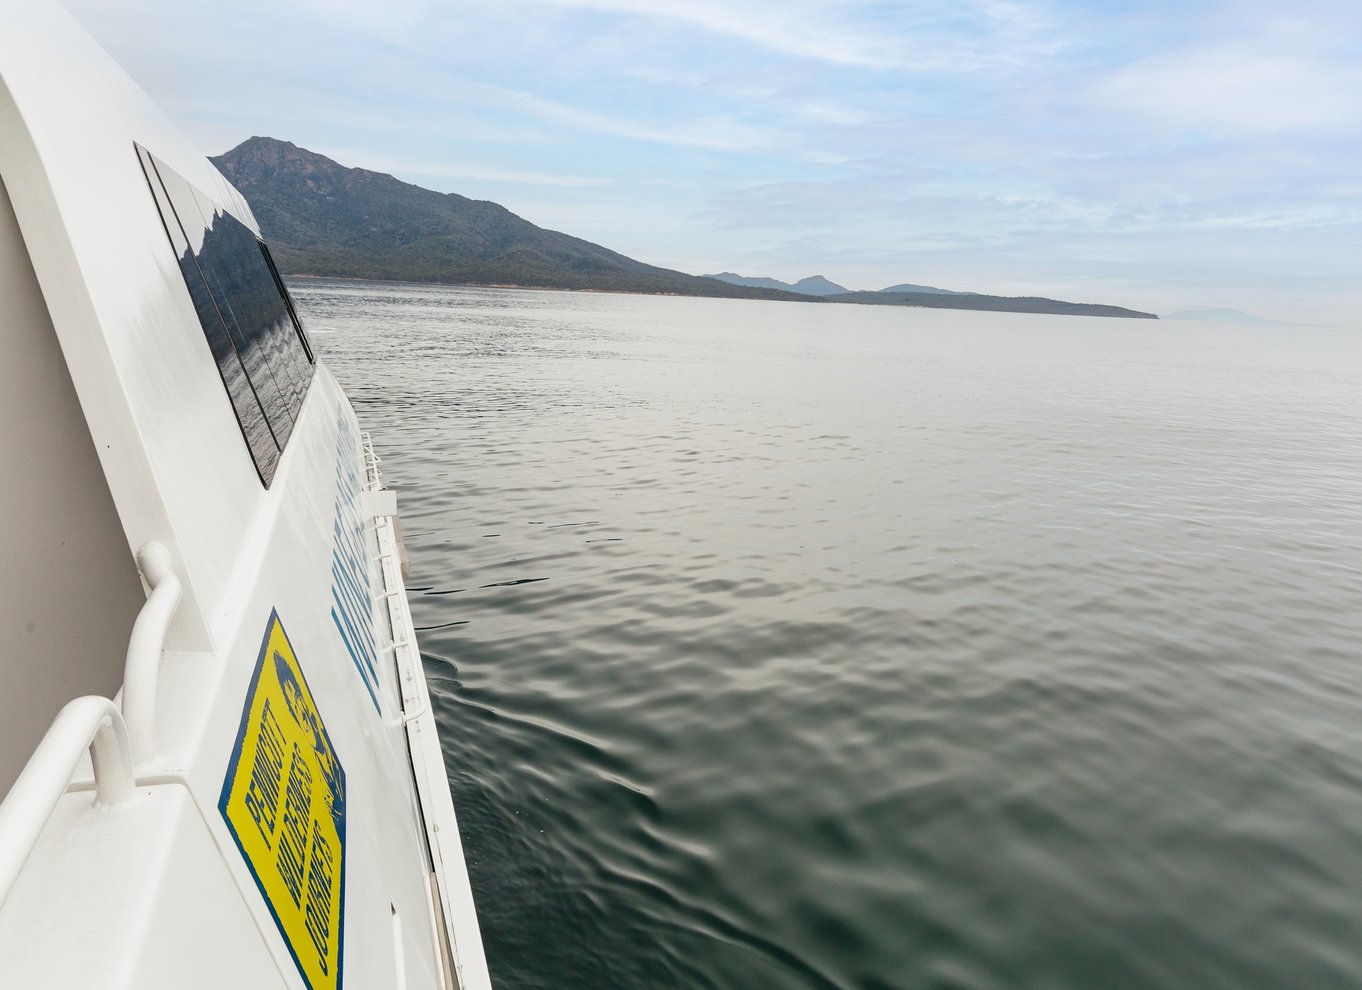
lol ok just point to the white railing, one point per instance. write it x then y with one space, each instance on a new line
116 738
371 461
90 723
142 669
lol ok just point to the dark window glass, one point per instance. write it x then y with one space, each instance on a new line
250 306
303 338
248 319
293 347
249 414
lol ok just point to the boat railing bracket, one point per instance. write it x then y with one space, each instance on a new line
89 723
142 668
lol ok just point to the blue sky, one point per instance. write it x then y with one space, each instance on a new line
1161 155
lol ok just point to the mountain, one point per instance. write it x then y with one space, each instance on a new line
995 304
1219 316
814 285
910 287
817 285
322 218
928 296
732 278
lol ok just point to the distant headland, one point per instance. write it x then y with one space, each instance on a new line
930 297
1222 316
323 218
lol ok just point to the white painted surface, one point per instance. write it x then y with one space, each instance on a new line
60 538
155 407
428 764
87 728
136 896
147 885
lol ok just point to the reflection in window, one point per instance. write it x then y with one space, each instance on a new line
247 317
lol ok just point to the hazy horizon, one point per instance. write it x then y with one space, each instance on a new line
1154 155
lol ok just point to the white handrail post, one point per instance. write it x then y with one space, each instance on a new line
92 723
142 670
111 761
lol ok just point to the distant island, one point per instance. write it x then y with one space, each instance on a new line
817 285
936 299
325 219
1220 316
930 297
814 285
931 289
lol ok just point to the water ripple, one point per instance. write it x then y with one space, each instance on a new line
796 647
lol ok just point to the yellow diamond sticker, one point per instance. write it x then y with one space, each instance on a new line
284 803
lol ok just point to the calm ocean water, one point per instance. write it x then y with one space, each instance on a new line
794 646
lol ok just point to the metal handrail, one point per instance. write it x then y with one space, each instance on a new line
92 723
142 669
374 477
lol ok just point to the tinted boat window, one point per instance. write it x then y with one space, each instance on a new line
306 341
230 261
249 414
247 317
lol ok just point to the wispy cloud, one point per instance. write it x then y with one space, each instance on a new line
789 30
377 162
1287 81
919 36
715 132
